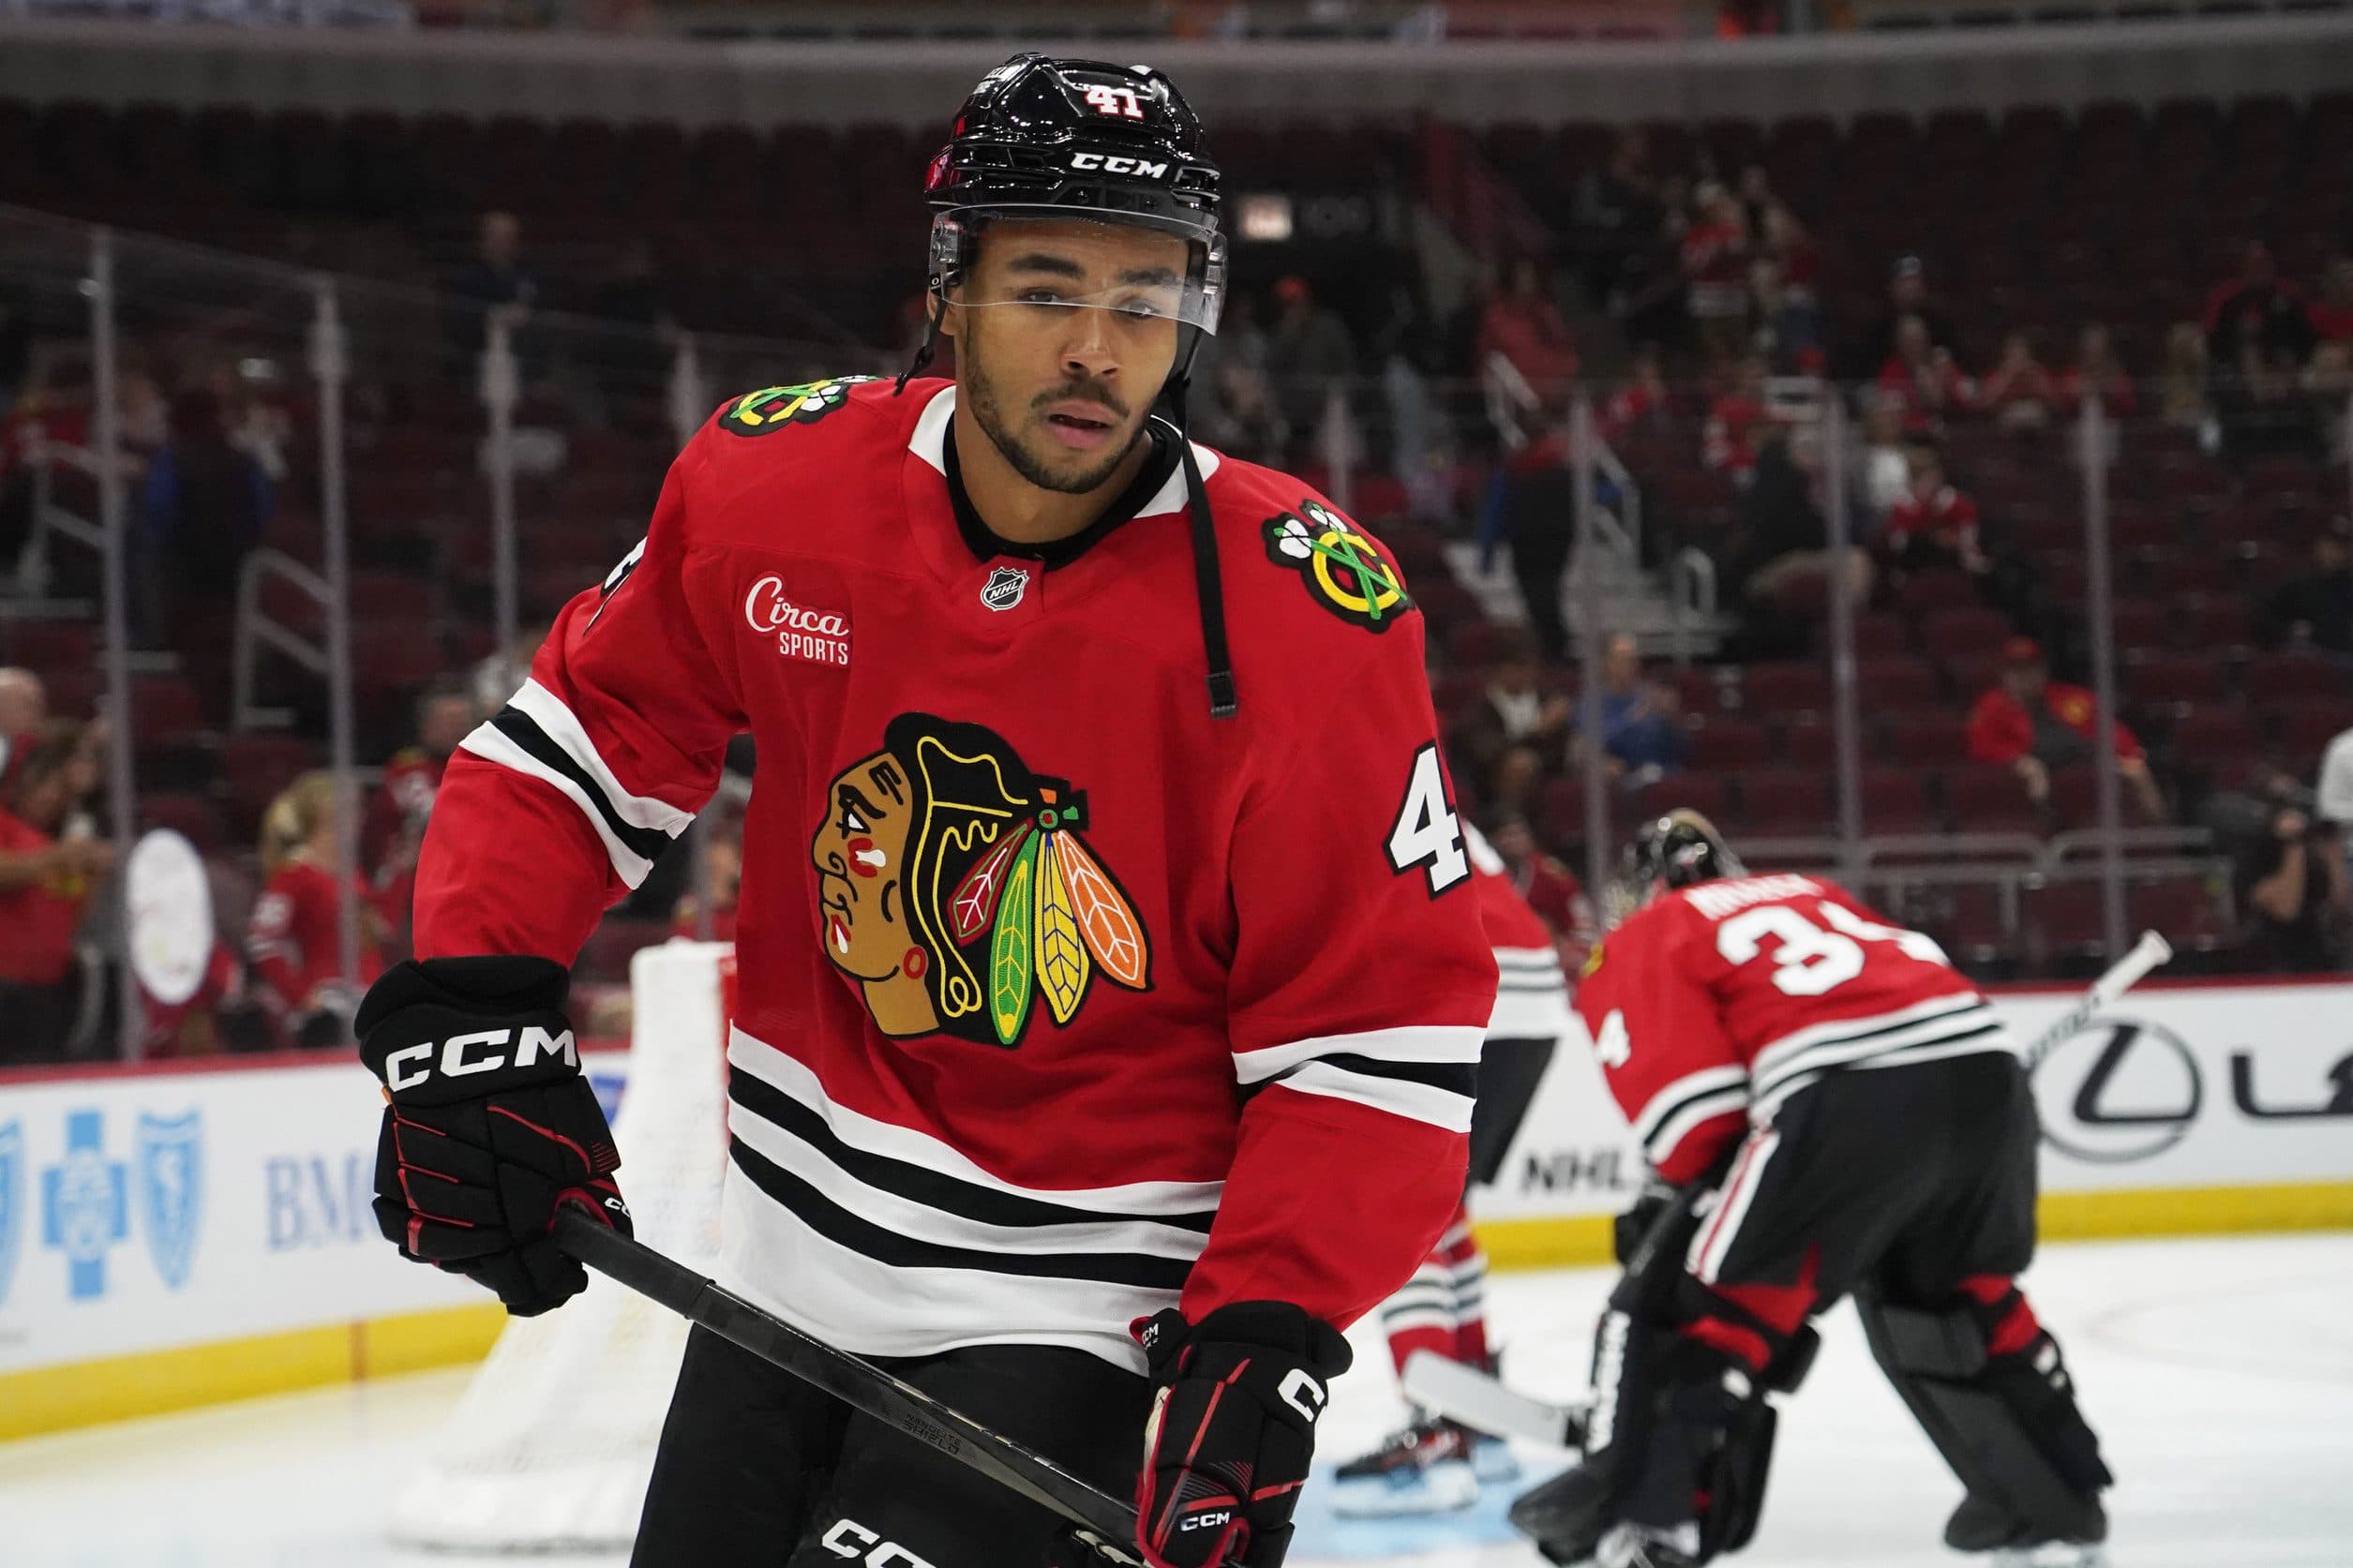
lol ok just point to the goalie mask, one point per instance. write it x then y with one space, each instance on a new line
1680 849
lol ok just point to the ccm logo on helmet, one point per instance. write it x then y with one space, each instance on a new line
850 1539
462 1054
1115 164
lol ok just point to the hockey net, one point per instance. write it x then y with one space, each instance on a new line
551 1447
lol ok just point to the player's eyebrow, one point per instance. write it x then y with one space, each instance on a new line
1149 277
1051 265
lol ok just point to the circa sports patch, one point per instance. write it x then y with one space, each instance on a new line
954 886
1343 569
776 407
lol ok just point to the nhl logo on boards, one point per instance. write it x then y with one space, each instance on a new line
1005 587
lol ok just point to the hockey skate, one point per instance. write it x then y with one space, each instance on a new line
1425 1469
1981 1525
1631 1545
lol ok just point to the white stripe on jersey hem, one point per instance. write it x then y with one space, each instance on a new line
929 442
874 1309
1395 1324
921 1222
1529 958
491 744
1661 1106
1928 1031
1529 1015
789 1076
1773 1053
562 725
1660 1145
1441 1108
1412 1042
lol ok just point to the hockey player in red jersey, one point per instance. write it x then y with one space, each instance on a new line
1435 1466
1841 1112
1111 989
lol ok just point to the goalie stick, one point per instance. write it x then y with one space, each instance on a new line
1483 1403
1102 1522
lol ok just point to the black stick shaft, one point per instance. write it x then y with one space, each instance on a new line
855 1383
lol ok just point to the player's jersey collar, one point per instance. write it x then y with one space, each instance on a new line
1158 490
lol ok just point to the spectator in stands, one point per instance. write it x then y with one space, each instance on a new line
205 504
48 872
2335 792
1515 732
1715 255
2292 886
1309 355
1780 562
723 864
1642 404
1922 377
1642 721
1539 514
1240 412
1907 296
393 832
2018 392
1935 526
1614 216
2035 726
1550 889
1883 478
493 279
1787 242
2181 383
23 702
2262 406
2314 611
2097 370
294 939
1522 328
2257 308
2331 309
1739 422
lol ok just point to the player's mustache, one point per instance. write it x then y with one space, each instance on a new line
1082 392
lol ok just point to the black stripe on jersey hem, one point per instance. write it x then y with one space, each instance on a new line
1861 1035
918 1185
888 1248
1459 1078
647 844
1800 1067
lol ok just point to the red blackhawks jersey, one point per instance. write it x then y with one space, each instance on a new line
1531 990
1712 1005
1060 1000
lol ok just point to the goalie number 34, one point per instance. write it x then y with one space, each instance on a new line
1427 833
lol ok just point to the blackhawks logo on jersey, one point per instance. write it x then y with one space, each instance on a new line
776 407
1343 569
953 884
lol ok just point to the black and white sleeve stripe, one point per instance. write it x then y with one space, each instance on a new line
1427 1072
1689 1100
536 735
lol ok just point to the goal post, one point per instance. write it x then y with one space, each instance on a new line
551 1447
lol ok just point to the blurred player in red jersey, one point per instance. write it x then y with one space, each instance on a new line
1828 1108
294 940
1435 1466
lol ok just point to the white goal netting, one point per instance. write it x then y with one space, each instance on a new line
551 1447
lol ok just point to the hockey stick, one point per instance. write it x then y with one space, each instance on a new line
1103 1522
1477 1400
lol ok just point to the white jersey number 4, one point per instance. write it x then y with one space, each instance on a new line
1809 959
1427 833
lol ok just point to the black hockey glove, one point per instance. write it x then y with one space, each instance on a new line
1628 1228
1231 1432
491 1125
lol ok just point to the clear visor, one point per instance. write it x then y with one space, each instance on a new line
1045 258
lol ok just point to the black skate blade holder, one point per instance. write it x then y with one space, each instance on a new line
1099 1522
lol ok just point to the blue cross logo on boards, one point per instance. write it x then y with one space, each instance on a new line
11 1200
85 1206
172 1190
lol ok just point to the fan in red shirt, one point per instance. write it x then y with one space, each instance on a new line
2035 725
1644 403
1716 268
1923 378
294 940
2018 392
1842 1114
2096 369
403 801
45 880
1737 422
1934 524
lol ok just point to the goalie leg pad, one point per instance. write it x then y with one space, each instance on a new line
2007 1424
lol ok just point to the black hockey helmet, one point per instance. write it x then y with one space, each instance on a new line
1043 138
1680 849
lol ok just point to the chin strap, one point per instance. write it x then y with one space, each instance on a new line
923 351
1208 592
